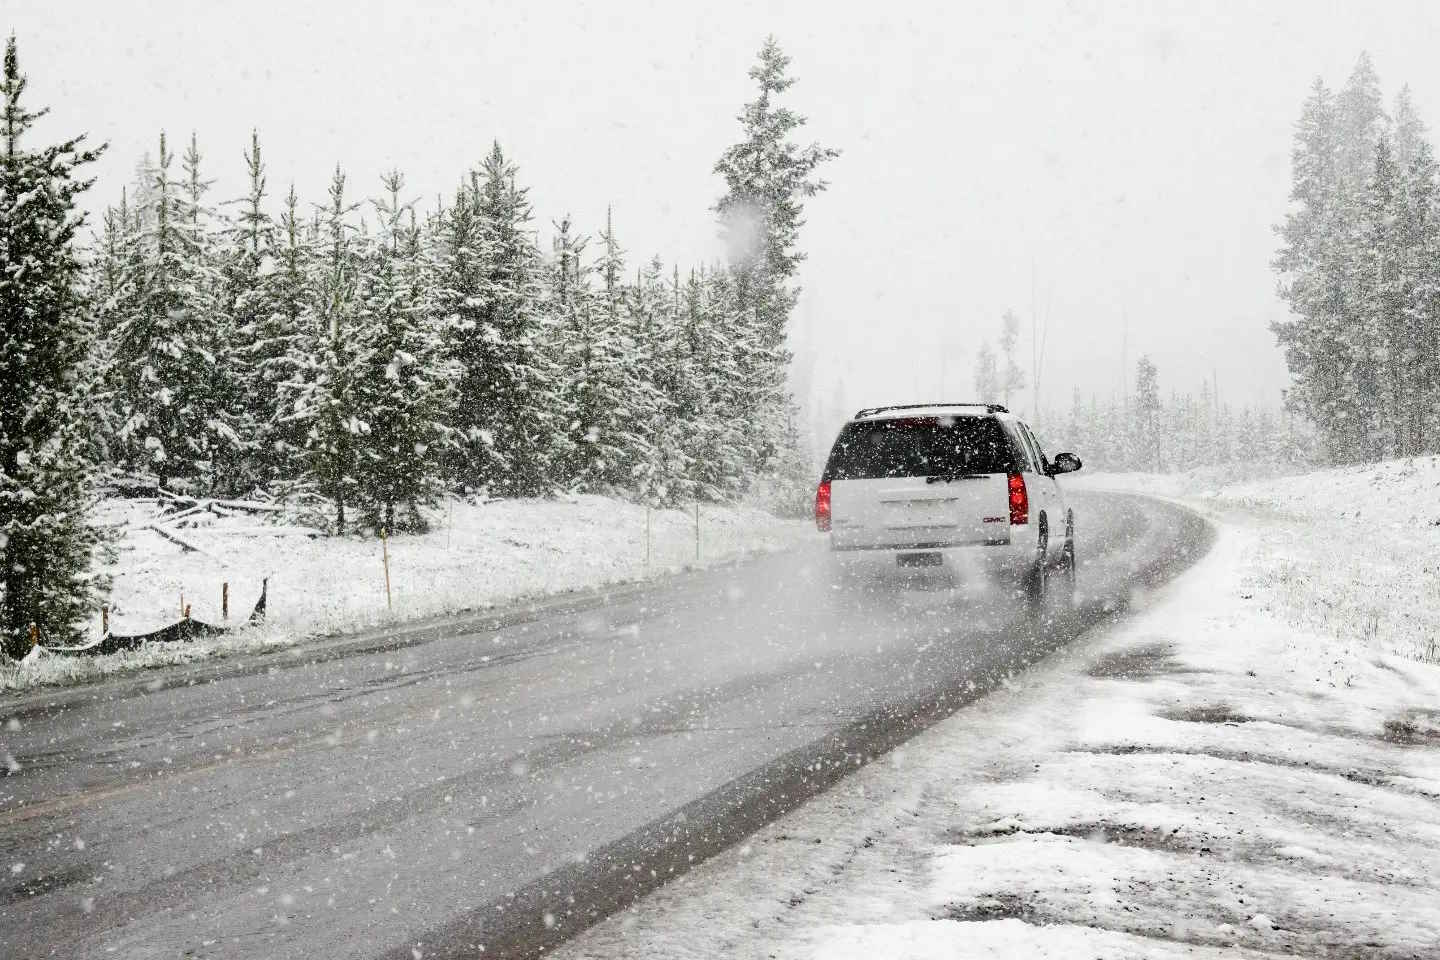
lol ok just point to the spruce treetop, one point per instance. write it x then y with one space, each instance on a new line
767 176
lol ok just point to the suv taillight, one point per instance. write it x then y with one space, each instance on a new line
1019 500
822 506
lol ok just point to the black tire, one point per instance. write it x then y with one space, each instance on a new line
1035 585
1066 573
1062 589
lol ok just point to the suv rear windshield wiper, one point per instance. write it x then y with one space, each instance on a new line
947 477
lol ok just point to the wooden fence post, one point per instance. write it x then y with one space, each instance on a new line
104 620
225 600
34 636
385 554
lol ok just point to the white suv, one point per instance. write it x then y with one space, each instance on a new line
919 482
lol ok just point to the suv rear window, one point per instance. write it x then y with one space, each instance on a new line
920 447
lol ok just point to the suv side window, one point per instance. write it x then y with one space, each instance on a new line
1044 461
1024 459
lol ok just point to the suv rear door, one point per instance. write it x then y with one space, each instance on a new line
1045 492
920 483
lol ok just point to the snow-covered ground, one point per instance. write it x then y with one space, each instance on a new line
1247 767
476 556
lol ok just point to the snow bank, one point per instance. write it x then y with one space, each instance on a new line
1352 552
476 556
1209 778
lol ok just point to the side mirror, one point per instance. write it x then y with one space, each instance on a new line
1064 463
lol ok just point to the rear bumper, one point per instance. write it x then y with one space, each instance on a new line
918 545
1014 552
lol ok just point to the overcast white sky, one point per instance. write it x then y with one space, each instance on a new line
1129 158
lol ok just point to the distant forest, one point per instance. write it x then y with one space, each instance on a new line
1147 428
1359 265
365 355
357 358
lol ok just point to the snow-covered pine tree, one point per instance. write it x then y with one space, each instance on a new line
246 262
987 374
320 400
616 403
1147 411
1375 334
566 299
1360 119
114 271
596 389
293 320
404 386
659 475
1419 224
713 443
507 390
1312 265
462 290
1012 378
230 442
47 540
164 368
725 345
767 179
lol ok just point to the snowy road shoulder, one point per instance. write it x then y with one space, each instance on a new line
477 556
1210 777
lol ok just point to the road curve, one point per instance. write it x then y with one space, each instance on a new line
496 780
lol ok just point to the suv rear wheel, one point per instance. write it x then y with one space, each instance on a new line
1036 583
1065 573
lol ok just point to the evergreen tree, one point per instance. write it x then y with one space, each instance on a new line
987 374
403 386
1147 415
1360 119
1012 378
622 408
259 336
767 178
507 387
321 399
660 475
1309 263
164 366
462 294
717 442
281 349
1374 334
47 541
1358 267
1419 334
599 442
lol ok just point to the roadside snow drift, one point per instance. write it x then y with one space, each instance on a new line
476 556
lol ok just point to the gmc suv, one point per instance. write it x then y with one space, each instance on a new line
921 482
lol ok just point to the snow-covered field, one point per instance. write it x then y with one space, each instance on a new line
476 556
1247 767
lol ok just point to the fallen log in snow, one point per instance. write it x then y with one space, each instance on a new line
179 541
265 531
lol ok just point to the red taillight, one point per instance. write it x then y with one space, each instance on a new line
822 506
1019 500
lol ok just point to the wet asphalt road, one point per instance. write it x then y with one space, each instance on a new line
500 780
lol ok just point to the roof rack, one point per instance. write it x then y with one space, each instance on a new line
871 411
